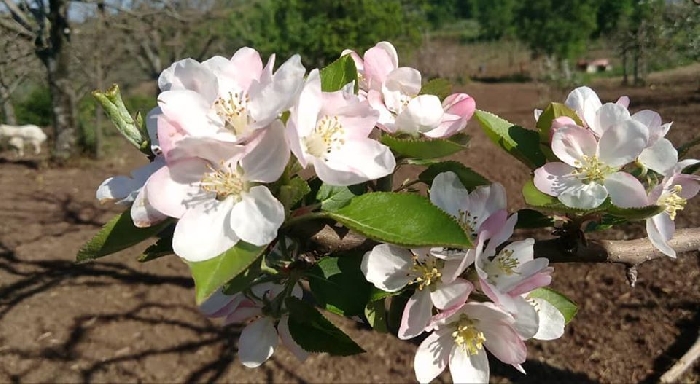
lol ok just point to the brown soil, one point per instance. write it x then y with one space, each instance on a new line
116 320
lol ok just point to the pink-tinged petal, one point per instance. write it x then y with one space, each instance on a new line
625 190
459 104
538 280
357 118
550 321
422 114
168 133
502 299
246 67
268 100
586 103
448 193
494 225
448 295
288 341
487 313
502 234
454 267
526 318
217 304
170 189
622 143
583 196
683 164
652 120
432 356
504 343
257 342
571 143
306 113
189 75
143 213
204 232
610 115
359 63
468 368
660 230
189 110
623 101
484 201
387 267
660 157
267 160
552 178
257 216
400 83
390 51
524 272
378 63
558 123
366 159
244 312
690 185
416 315
386 119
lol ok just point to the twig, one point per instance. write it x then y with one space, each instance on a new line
673 374
627 252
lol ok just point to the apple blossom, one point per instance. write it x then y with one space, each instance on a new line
391 268
330 130
214 194
460 339
227 99
590 166
259 337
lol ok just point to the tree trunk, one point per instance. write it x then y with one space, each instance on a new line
625 73
56 59
8 109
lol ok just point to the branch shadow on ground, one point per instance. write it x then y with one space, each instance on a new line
30 278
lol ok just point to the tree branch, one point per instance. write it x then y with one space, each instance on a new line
631 253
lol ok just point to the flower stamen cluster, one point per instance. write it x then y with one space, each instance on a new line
591 170
233 110
467 336
671 201
224 181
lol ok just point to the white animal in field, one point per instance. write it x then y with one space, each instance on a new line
21 135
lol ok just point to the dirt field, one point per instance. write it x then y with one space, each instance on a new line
116 320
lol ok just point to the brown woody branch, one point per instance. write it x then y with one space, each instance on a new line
329 238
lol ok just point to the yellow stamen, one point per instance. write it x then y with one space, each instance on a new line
428 272
328 135
224 181
233 110
467 336
671 201
592 170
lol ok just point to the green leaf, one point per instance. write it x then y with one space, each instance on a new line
469 178
420 148
639 213
244 279
683 149
292 193
212 274
691 169
529 218
378 294
338 73
162 247
438 87
118 234
407 220
375 313
314 333
521 143
334 197
567 307
339 285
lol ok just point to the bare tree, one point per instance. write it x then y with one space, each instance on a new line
48 29
16 64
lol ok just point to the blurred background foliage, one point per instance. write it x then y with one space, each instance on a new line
131 42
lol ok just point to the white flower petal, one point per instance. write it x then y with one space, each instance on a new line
622 143
553 178
660 157
387 267
116 188
288 341
422 114
551 321
266 162
625 190
466 368
526 318
257 342
660 229
416 315
268 100
204 231
610 115
652 120
571 143
143 213
448 193
586 103
432 356
583 196
257 216
449 295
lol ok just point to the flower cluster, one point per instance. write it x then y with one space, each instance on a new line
606 153
490 308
